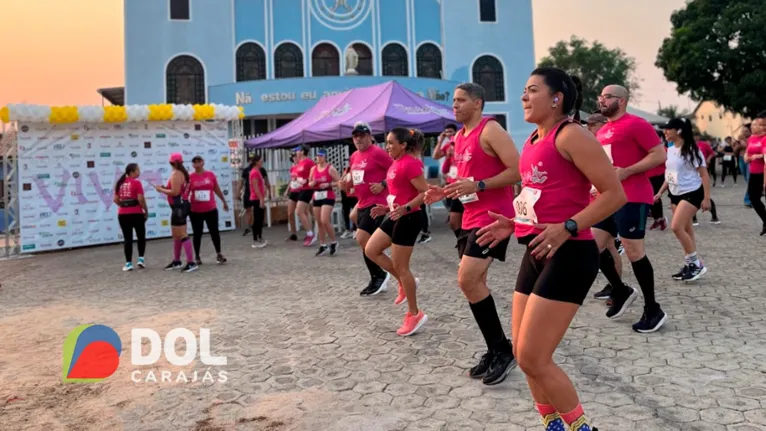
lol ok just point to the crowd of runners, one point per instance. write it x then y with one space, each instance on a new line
577 196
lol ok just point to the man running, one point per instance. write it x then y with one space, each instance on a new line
243 192
633 146
369 167
487 166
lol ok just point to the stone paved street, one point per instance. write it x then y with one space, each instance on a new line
305 352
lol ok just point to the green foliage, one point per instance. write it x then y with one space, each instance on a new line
596 65
717 51
672 111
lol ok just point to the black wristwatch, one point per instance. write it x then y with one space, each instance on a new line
407 208
571 227
481 185
383 183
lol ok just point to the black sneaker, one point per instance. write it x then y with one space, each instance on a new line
198 261
367 290
682 273
292 237
174 265
620 302
424 238
190 267
379 284
618 245
479 370
501 365
605 293
322 250
694 272
220 259
333 248
246 232
651 321
763 230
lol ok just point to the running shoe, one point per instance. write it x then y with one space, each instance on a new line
333 248
379 284
313 240
176 264
620 302
424 238
292 237
652 320
499 368
322 250
412 323
618 245
128 267
141 263
682 273
190 267
367 290
401 297
694 272
715 221
605 293
260 243
347 234
763 230
660 223
220 259
198 261
479 370
246 232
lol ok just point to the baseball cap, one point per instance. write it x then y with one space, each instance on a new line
197 159
361 129
322 153
176 157
675 123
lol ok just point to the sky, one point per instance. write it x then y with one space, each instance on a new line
58 52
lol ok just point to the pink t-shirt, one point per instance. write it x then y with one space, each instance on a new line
553 189
659 170
323 177
129 190
706 149
256 180
399 180
299 175
627 141
449 168
202 191
369 167
473 163
755 146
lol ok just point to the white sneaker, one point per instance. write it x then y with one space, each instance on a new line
128 267
346 235
260 243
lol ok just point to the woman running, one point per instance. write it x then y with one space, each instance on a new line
132 214
754 157
202 185
554 214
321 179
299 194
729 161
349 200
404 220
258 198
688 183
177 191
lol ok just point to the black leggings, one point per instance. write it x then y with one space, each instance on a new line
755 191
657 182
425 219
128 223
711 170
198 222
729 168
348 204
257 220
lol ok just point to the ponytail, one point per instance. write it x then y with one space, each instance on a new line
689 149
132 167
180 167
578 97
415 141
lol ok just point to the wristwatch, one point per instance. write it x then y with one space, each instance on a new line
407 208
571 227
481 185
383 183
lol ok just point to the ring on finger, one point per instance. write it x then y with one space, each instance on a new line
549 246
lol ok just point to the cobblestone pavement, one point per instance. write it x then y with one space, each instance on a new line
305 352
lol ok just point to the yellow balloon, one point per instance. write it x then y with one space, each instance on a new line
5 115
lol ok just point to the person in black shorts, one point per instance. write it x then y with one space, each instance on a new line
244 192
177 191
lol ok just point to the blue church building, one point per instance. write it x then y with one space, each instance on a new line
276 58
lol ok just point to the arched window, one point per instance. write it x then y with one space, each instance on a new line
325 60
251 62
288 61
488 72
185 81
365 59
394 60
429 61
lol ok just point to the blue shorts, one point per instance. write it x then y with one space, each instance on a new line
629 221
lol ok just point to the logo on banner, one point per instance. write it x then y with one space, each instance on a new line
75 137
25 128
91 354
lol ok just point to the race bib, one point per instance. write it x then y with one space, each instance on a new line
727 158
467 199
452 172
524 205
390 199
671 177
608 151
320 196
357 176
202 195
295 184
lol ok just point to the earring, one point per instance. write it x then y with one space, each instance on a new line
554 106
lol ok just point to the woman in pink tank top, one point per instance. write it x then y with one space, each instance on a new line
322 177
403 221
553 216
177 191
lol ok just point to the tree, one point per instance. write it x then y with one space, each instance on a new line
672 111
596 65
716 52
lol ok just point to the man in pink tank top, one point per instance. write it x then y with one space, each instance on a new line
632 144
488 165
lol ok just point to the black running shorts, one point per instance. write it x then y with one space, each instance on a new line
695 198
179 213
629 221
454 206
466 246
566 277
404 231
364 220
323 202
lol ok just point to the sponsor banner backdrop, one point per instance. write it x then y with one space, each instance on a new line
67 174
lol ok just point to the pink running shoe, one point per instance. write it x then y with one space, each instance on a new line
402 297
308 241
412 323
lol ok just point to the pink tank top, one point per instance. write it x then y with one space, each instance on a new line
184 196
323 177
473 163
553 189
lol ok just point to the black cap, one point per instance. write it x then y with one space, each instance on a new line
197 159
361 129
675 123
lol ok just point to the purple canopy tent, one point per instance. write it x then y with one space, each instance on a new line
382 106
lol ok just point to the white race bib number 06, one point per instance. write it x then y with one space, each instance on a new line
358 176
671 177
524 204
467 199
202 195
320 196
